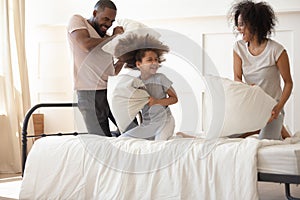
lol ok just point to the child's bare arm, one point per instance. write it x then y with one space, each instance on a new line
171 99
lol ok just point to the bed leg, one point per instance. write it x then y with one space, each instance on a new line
288 192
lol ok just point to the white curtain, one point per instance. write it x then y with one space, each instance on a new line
14 87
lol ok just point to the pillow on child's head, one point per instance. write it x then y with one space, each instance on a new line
130 27
241 108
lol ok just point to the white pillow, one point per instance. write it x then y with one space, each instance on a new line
237 107
130 27
129 24
125 98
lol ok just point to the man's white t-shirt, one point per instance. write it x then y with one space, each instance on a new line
91 69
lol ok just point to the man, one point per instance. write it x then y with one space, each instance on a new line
92 65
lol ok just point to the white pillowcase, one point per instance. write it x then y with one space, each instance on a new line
237 107
125 98
130 27
129 24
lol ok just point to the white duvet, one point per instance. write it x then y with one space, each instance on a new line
95 167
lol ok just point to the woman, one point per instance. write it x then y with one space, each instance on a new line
261 60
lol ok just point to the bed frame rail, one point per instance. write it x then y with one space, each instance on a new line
280 178
25 127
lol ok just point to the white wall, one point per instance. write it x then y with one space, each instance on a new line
58 11
202 22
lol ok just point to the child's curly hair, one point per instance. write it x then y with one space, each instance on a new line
133 47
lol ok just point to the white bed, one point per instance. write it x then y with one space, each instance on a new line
279 159
94 167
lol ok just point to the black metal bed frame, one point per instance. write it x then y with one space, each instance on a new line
281 178
263 177
25 127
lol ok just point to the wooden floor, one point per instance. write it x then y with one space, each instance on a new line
10 186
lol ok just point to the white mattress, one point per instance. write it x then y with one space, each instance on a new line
280 159
94 167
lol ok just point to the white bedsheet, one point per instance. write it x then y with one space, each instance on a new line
126 168
280 159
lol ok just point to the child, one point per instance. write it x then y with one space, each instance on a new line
157 120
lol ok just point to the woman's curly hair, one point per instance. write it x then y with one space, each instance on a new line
132 48
259 17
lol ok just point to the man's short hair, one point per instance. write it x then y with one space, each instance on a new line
102 4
